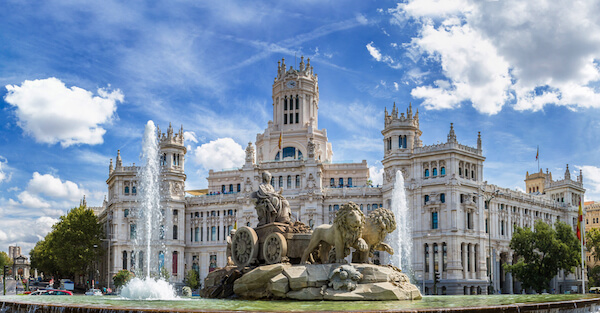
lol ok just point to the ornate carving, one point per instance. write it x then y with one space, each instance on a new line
311 148
345 277
250 153
244 246
379 223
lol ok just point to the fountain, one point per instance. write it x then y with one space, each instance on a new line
401 239
149 213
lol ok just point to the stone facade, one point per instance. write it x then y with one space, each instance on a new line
592 220
452 230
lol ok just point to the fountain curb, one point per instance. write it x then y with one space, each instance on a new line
582 305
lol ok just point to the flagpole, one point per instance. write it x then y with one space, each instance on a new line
538 157
581 240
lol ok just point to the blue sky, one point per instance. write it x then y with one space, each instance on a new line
79 80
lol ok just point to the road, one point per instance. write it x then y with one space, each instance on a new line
12 287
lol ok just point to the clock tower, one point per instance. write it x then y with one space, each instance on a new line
295 96
295 117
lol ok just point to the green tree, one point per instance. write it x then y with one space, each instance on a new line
71 247
192 279
4 260
122 277
542 252
592 238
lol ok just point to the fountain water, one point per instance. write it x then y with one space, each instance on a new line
149 214
401 239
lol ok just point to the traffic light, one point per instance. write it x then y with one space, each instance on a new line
436 278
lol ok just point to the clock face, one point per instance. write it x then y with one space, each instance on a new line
291 84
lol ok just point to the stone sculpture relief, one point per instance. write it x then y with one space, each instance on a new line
270 206
346 232
379 223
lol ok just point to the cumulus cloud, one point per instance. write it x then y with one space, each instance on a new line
494 53
52 113
376 174
32 201
219 154
190 137
52 186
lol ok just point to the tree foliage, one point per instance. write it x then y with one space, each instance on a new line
4 260
72 245
122 277
592 242
192 279
542 252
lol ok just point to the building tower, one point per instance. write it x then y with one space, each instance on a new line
295 117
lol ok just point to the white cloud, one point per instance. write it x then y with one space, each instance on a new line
374 51
494 53
32 201
190 137
362 19
376 174
51 186
591 181
396 86
51 112
4 177
220 154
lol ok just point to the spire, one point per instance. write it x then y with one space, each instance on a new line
580 179
84 203
110 167
478 140
409 112
395 111
451 134
170 131
567 174
302 63
119 161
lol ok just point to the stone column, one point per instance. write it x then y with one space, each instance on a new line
220 230
472 258
431 267
440 259
463 259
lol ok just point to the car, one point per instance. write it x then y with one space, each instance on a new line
595 290
38 292
93 292
57 292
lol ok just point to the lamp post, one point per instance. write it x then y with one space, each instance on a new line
488 196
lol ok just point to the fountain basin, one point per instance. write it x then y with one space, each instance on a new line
495 303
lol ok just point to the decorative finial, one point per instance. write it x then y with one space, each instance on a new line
451 134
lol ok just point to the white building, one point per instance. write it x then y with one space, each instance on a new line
452 230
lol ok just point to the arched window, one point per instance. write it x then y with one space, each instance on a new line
443 171
230 187
174 266
426 172
332 182
336 207
297 101
473 174
444 256
133 190
285 104
341 182
223 190
297 181
289 182
124 260
349 181
132 231
175 232
434 171
239 187
405 145
126 213
280 181
400 142
126 189
426 199
460 171
368 207
443 198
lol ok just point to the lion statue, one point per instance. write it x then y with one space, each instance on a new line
345 232
380 222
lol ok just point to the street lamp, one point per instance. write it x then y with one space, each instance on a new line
487 197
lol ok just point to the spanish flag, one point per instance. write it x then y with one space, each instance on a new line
280 137
579 220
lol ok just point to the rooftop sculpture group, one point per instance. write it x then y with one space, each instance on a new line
273 260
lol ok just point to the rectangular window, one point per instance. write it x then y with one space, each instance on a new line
285 119
132 231
161 232
239 187
297 99
341 181
291 118
297 181
175 233
426 258
469 220
350 181
213 233
175 212
434 220
280 181
297 119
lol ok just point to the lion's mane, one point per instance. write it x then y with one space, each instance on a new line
384 219
340 222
